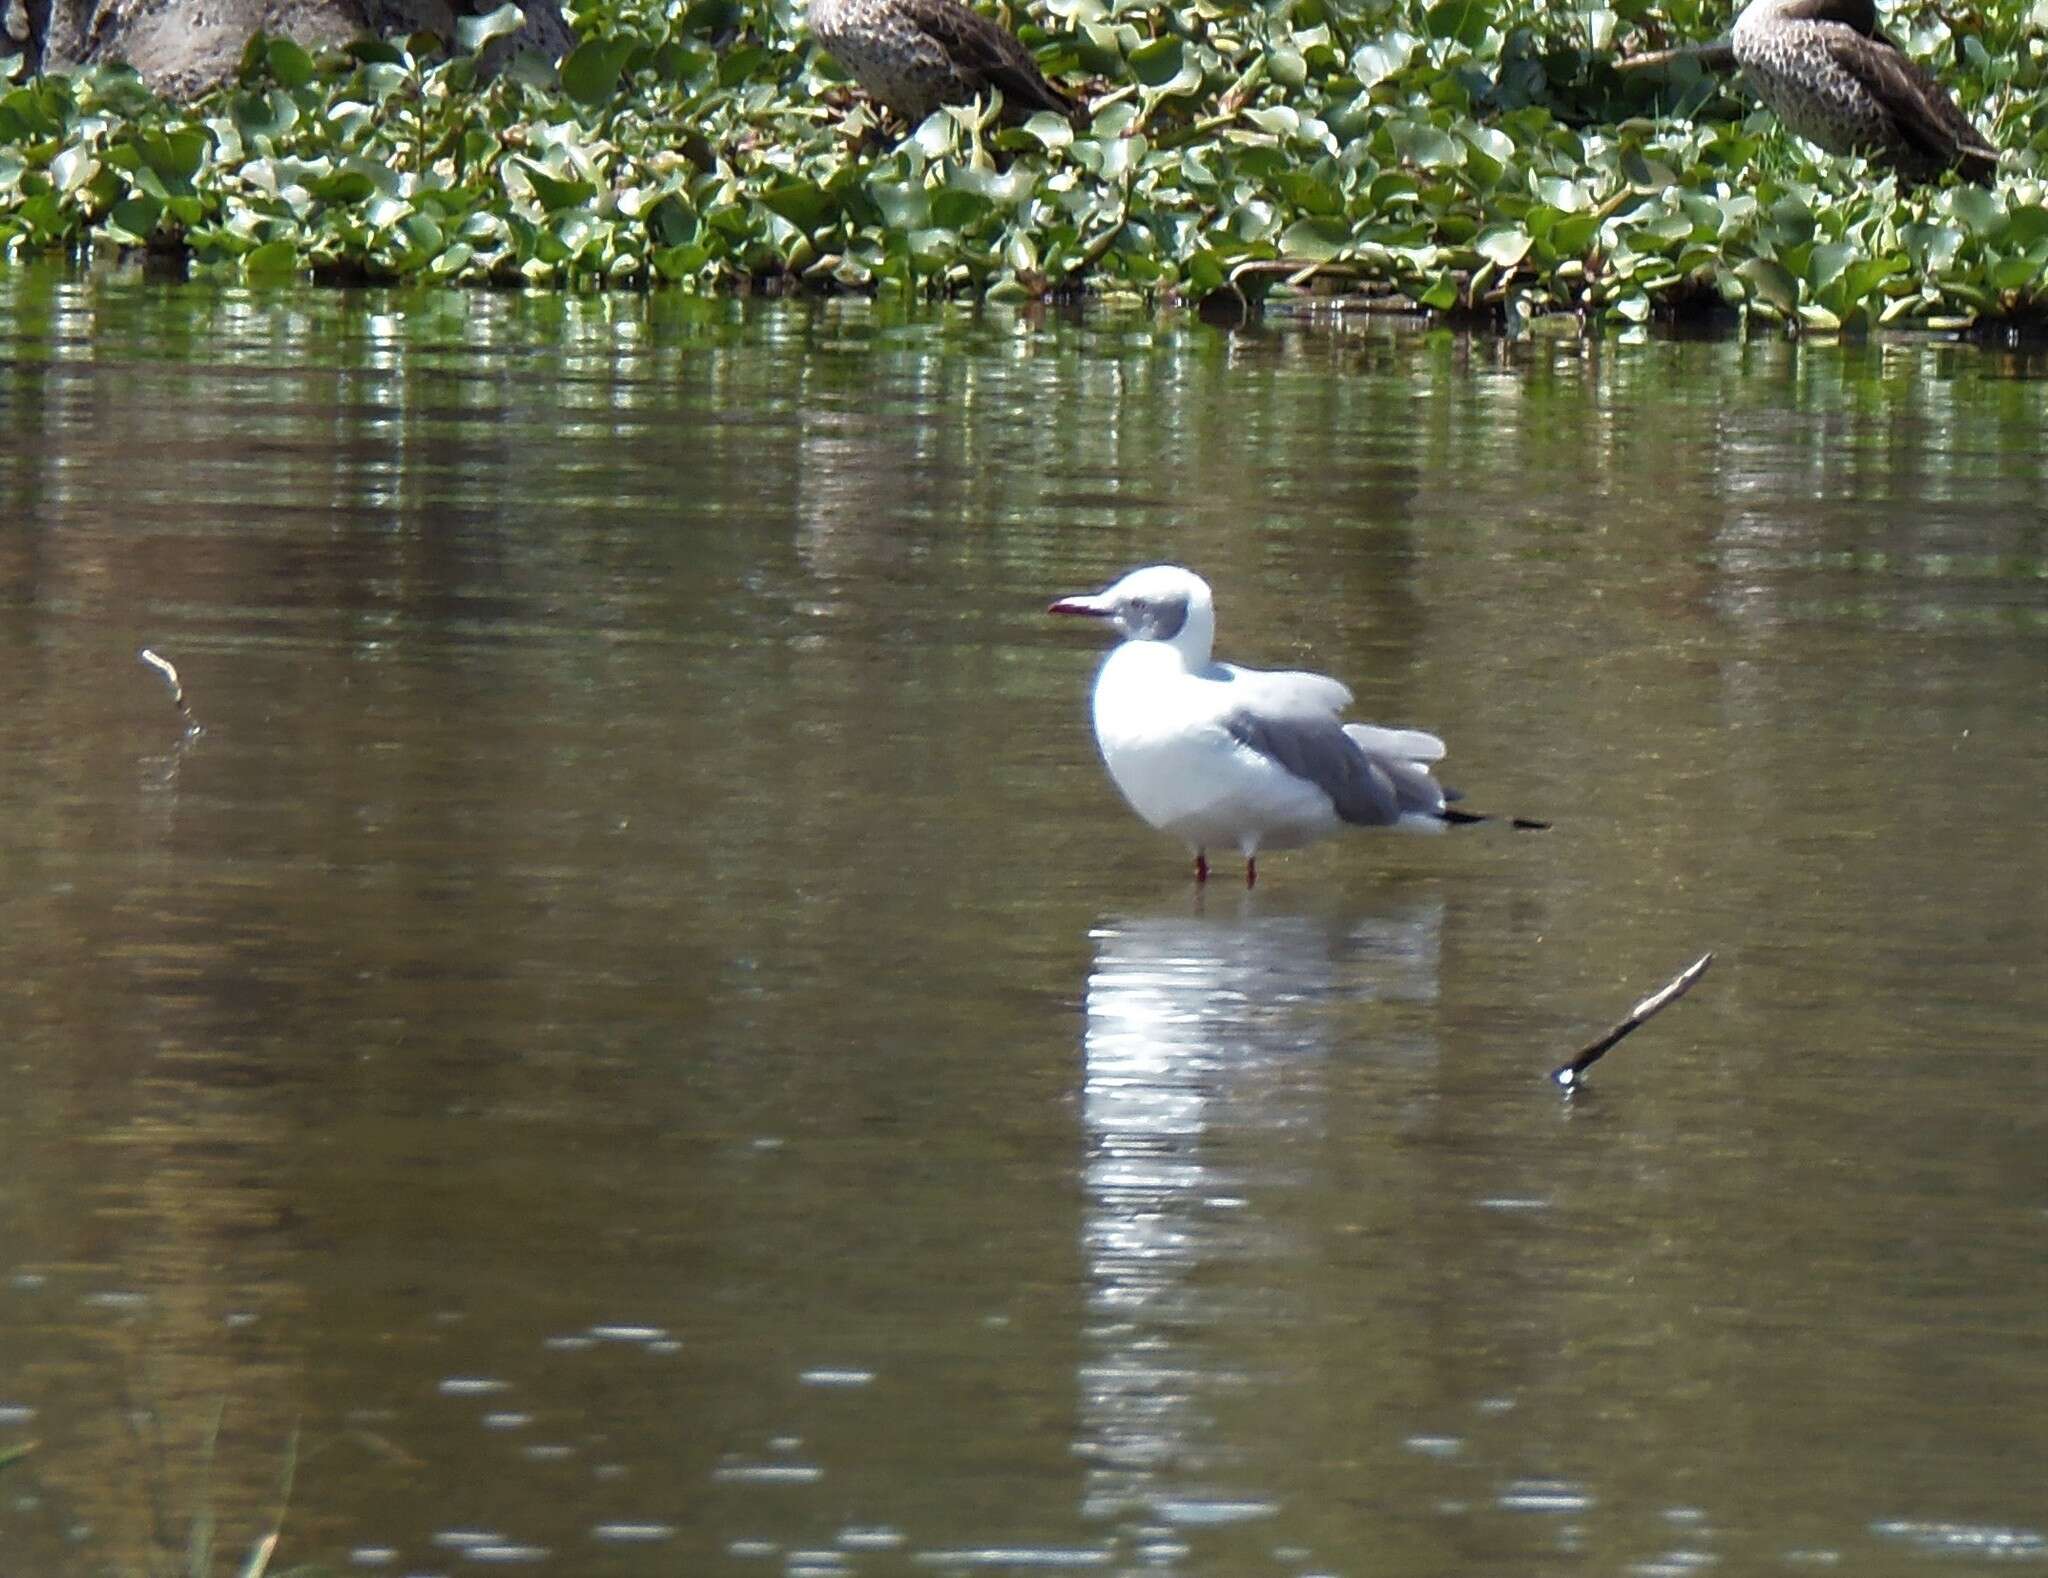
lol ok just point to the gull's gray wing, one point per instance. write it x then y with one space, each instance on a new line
1367 788
1282 693
1403 745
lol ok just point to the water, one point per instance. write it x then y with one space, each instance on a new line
639 1038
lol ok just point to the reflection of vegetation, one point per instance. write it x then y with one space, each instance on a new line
192 1556
1449 154
197 1558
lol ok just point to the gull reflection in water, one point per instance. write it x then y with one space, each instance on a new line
1209 1048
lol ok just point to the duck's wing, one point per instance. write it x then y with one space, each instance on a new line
1917 104
985 53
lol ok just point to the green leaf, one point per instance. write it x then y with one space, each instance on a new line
958 210
903 203
1156 64
1052 131
671 223
1375 62
421 237
1310 192
72 168
1422 144
738 64
1287 67
381 212
1004 189
554 192
473 32
803 203
1503 245
1496 145
1790 222
1931 247
1664 233
590 71
288 62
1315 240
135 218
272 259
451 263
261 115
1572 234
1767 280
1978 209
2014 273
2025 225
680 262
1828 263
1442 294
1396 186
1866 274
1464 21
344 187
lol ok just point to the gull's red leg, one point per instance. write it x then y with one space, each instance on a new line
1251 871
1201 866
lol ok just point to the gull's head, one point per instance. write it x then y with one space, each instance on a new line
1161 602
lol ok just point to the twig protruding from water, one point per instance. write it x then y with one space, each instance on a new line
1572 1075
163 666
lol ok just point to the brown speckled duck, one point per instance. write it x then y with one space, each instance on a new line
915 55
1829 73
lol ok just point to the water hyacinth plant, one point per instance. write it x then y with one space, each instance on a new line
1449 155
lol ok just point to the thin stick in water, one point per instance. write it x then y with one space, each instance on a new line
1571 1075
163 666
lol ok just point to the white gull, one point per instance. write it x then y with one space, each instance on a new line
1222 756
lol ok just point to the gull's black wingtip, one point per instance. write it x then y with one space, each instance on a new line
1457 818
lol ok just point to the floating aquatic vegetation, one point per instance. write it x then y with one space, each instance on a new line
1434 154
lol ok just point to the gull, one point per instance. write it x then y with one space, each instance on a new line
1222 756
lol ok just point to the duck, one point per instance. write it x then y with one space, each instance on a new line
1226 757
915 55
1826 69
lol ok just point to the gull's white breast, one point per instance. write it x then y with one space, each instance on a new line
1162 735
